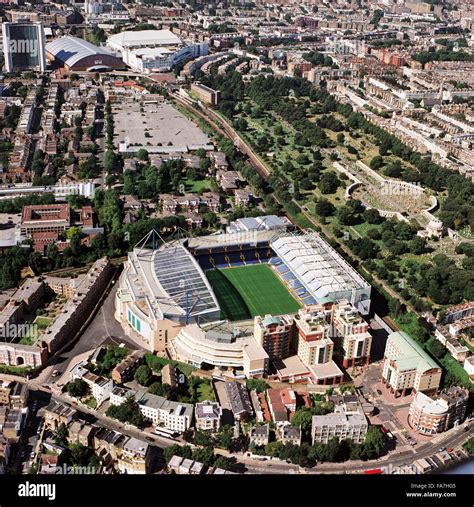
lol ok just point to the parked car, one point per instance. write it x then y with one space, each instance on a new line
379 392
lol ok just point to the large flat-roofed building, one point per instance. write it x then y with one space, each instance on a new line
159 291
77 54
216 344
206 94
24 46
321 270
342 426
263 223
407 367
154 50
45 218
429 416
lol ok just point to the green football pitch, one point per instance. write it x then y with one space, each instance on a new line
247 291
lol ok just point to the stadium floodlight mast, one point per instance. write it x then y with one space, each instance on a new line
155 238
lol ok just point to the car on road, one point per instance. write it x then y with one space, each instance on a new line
466 428
442 449
56 373
32 454
150 439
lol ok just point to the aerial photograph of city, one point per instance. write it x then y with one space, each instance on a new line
236 239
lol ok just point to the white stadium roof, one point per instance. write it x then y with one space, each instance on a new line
177 271
318 266
143 38
71 50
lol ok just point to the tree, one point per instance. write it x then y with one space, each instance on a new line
329 183
372 216
61 435
81 455
142 154
160 389
77 388
52 251
211 219
274 449
376 162
258 384
225 437
364 248
204 455
469 446
127 412
73 231
143 375
184 451
346 215
373 234
436 348
303 417
324 208
375 439
223 463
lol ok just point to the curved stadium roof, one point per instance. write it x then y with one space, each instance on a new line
175 271
71 50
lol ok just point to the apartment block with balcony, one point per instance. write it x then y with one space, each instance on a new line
314 346
274 335
351 332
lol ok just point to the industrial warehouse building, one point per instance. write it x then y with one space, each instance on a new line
154 50
79 55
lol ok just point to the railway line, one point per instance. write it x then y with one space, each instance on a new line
224 128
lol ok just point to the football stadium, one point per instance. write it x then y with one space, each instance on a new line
230 276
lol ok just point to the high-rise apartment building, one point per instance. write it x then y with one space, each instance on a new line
274 335
24 46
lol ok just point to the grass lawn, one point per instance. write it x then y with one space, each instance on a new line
42 322
196 186
247 291
205 392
